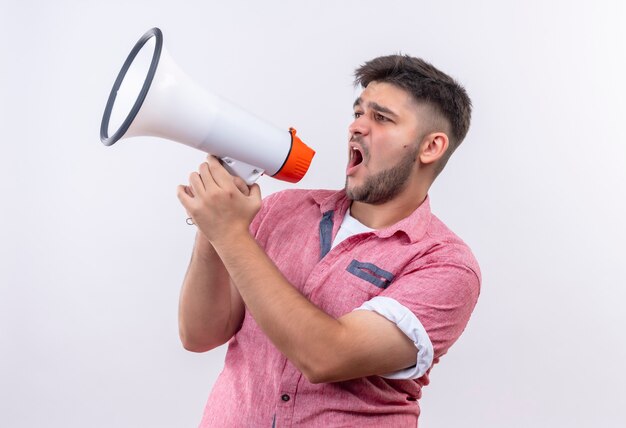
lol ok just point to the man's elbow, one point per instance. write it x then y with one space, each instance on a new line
316 378
323 372
196 347
193 343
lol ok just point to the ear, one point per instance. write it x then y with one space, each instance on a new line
434 146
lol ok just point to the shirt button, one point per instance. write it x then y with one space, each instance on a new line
285 397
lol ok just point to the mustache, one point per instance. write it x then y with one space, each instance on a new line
355 138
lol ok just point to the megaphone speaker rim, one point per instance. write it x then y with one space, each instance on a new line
104 126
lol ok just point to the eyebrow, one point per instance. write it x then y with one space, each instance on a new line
375 106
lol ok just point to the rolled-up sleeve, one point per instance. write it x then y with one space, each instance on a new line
432 305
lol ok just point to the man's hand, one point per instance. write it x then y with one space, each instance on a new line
221 205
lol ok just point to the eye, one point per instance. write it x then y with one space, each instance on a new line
357 114
380 118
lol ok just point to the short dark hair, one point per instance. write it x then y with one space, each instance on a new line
426 84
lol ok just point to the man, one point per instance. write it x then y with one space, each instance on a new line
335 304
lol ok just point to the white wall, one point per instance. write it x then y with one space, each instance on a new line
93 242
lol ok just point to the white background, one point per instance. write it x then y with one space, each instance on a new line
94 245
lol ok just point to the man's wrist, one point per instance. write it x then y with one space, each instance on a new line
203 248
229 237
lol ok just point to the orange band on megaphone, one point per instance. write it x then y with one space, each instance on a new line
297 162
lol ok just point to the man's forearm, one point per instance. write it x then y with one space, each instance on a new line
210 309
303 332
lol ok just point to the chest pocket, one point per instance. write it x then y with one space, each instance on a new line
370 273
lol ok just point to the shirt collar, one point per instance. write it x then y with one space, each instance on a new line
414 226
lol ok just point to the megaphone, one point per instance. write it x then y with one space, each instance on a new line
152 96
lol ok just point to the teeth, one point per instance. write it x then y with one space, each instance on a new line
353 151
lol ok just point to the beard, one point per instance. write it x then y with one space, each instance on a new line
385 185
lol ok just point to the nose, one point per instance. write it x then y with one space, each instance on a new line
359 126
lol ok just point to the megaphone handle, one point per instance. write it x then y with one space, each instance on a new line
249 173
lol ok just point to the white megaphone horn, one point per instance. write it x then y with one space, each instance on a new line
152 96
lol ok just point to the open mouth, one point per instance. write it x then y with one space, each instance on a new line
356 157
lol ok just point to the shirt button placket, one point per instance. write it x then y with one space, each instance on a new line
286 395
285 410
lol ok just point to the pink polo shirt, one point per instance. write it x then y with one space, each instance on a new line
418 265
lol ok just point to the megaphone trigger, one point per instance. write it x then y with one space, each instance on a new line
249 173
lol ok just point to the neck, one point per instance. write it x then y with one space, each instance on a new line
389 213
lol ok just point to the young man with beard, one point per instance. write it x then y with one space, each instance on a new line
335 304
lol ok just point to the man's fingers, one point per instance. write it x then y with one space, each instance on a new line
255 191
189 191
196 183
207 175
186 200
241 185
221 177
183 195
